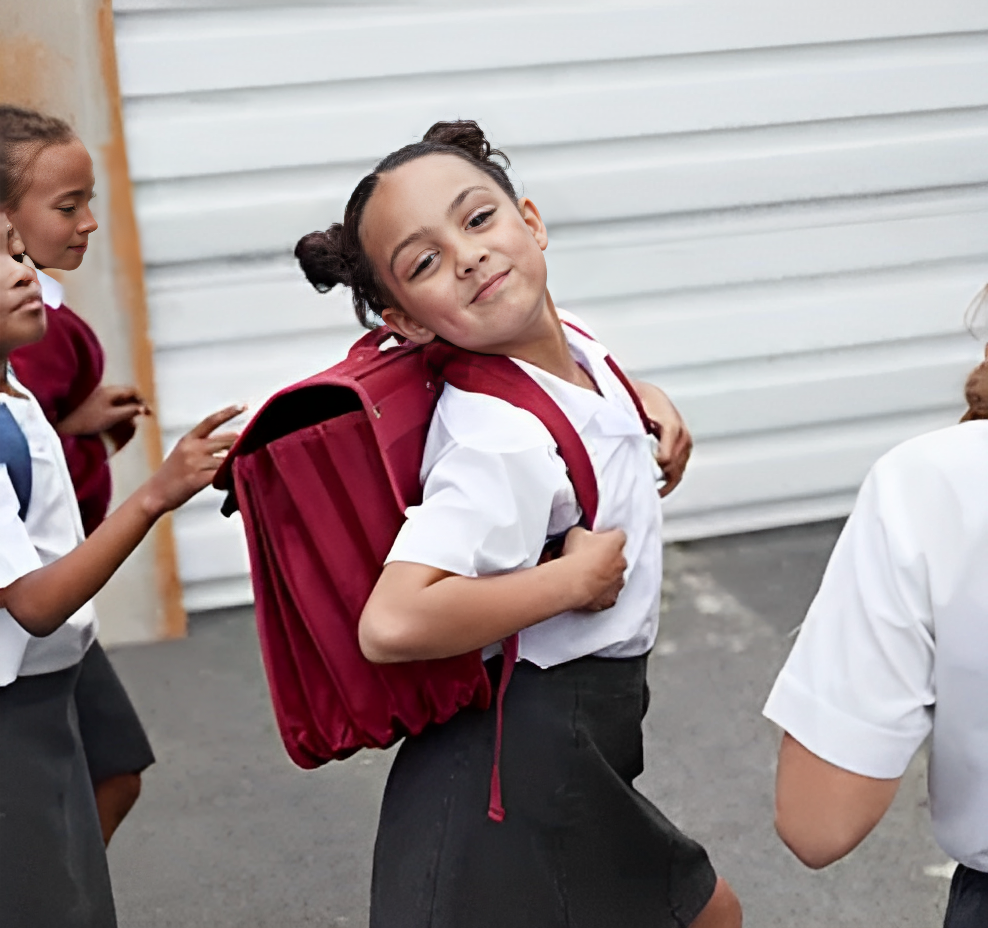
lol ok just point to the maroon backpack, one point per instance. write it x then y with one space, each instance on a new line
322 476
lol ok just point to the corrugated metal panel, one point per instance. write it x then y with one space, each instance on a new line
777 211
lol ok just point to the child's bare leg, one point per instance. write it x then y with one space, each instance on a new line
115 797
722 911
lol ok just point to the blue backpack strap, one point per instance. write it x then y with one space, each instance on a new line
16 455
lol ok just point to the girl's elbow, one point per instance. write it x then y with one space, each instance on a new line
39 626
381 637
812 849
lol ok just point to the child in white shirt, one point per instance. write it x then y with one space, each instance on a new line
52 859
436 243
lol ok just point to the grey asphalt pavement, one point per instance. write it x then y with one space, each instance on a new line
229 833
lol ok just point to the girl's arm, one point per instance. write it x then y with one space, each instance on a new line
823 812
43 599
416 612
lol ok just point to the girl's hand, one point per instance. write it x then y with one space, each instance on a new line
675 441
599 562
104 410
192 463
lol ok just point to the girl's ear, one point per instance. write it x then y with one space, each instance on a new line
15 244
400 322
530 214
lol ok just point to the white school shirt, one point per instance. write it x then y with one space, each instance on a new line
52 292
495 487
51 529
896 642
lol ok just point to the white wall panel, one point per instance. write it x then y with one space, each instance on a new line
778 211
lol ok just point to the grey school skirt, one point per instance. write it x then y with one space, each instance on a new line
579 847
112 734
53 870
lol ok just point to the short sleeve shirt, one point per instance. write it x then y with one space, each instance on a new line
895 644
495 487
51 528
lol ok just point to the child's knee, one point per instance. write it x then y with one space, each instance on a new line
722 911
115 797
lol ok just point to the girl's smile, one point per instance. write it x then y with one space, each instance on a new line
491 287
458 257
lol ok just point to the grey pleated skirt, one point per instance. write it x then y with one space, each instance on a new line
53 870
112 734
579 847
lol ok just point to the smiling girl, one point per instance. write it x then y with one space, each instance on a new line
437 244
46 187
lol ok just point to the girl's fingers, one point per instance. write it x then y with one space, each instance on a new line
117 414
215 420
124 395
216 443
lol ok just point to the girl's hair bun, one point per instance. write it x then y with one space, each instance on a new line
320 256
466 135
337 256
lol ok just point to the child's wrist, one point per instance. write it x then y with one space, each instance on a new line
570 574
151 501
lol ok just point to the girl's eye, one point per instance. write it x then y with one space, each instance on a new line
423 264
68 210
479 219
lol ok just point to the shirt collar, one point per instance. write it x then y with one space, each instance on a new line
52 292
610 412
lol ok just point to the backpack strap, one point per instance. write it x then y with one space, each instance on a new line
650 425
500 377
16 455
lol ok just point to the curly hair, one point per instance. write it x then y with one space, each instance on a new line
24 135
336 255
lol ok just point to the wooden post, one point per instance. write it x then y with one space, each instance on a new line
58 56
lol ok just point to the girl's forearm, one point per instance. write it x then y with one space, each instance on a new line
418 612
43 599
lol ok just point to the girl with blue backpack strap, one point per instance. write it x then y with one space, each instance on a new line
436 243
52 857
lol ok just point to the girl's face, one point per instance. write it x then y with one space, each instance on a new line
54 218
461 259
22 313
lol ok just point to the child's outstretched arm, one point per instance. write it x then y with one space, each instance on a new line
40 601
416 612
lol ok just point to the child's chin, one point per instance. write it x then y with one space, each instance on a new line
23 332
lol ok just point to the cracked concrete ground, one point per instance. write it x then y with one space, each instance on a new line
229 833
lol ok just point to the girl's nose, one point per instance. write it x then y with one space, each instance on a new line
26 275
88 224
471 259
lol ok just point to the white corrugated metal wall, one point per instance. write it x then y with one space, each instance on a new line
776 211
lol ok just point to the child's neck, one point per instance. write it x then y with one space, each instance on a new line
548 349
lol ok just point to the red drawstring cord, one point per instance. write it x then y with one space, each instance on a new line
509 648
